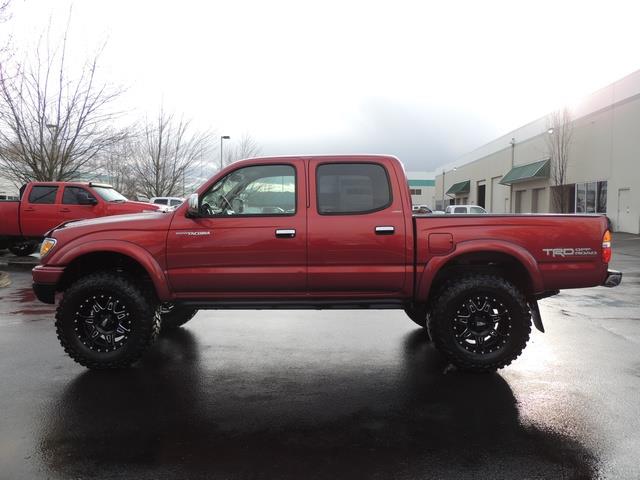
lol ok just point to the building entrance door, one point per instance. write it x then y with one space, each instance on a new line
626 222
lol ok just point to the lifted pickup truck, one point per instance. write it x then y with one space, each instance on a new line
315 232
44 205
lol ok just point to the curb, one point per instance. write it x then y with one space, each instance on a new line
5 280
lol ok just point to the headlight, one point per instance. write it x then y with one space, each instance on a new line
47 246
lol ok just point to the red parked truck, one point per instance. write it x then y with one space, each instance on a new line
315 232
43 205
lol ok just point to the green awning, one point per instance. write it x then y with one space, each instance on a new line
460 187
526 173
422 183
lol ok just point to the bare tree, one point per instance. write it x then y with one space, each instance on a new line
247 147
53 124
169 153
118 165
560 129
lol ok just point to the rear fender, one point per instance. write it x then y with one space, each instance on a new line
71 252
479 246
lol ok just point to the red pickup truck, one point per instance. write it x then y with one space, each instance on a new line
315 232
44 205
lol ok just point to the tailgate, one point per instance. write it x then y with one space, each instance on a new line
9 220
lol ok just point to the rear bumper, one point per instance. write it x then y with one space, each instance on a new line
46 293
613 278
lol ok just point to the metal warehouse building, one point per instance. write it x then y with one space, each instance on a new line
512 173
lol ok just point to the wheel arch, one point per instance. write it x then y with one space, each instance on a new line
510 261
119 256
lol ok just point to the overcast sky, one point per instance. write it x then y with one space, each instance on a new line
427 81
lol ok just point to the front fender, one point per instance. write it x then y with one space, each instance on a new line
71 252
518 253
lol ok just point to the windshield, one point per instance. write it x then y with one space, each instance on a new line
110 194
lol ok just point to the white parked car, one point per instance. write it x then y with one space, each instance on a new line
168 201
465 209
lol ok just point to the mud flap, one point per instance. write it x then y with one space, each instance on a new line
535 314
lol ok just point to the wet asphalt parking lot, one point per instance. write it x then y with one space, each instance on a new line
328 394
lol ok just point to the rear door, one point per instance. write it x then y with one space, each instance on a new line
250 239
357 232
40 210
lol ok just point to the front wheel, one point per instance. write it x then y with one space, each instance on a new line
23 248
480 323
106 321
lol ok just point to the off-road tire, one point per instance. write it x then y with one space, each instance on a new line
23 249
511 331
176 316
143 320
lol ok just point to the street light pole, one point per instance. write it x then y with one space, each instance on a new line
443 177
223 137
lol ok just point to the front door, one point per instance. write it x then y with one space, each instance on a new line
250 239
357 237
78 203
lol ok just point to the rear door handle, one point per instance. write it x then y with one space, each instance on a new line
65 210
385 230
285 233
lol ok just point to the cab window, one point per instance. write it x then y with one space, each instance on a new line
352 188
266 190
460 210
43 194
76 196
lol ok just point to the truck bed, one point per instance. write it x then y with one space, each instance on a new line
564 249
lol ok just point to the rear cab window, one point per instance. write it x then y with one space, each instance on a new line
43 194
352 188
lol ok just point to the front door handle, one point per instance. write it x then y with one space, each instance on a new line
385 230
65 210
285 233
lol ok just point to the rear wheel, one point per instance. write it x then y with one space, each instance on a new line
174 316
23 248
106 321
480 323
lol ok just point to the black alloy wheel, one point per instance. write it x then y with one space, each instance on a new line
105 320
103 323
480 323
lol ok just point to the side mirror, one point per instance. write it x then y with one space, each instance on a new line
87 200
193 206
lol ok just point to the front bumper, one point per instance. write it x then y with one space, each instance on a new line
45 292
613 278
45 279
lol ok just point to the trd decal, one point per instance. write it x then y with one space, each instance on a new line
570 252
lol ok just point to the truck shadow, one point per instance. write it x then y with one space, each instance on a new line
170 416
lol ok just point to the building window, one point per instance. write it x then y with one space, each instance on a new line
591 197
602 198
415 191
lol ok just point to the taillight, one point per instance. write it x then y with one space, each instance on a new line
606 247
